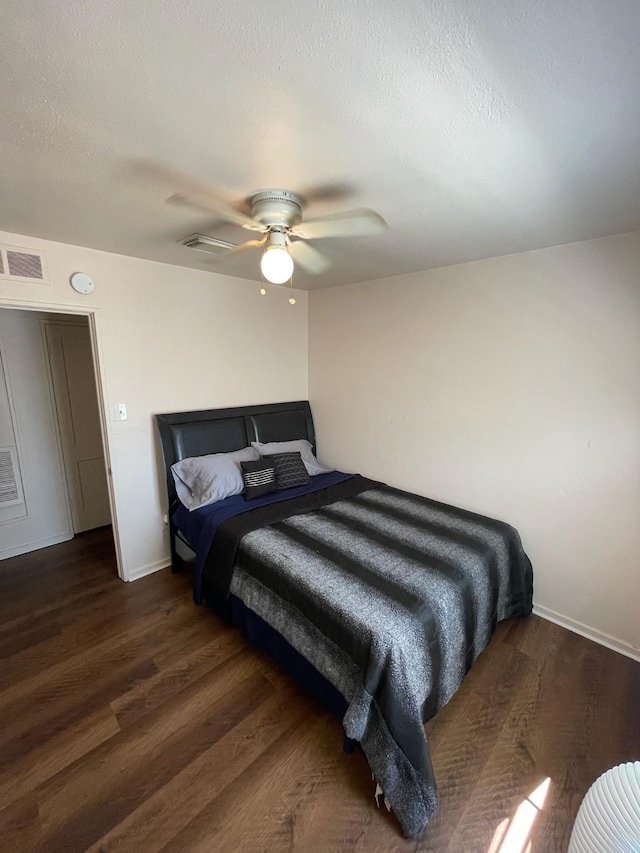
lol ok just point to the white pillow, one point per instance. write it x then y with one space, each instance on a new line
203 480
300 445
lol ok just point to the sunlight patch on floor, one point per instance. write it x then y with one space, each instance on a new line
514 835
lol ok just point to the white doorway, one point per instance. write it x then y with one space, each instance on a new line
78 416
52 420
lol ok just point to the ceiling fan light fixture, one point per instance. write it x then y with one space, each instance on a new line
277 263
277 215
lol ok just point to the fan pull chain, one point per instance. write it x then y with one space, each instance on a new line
292 299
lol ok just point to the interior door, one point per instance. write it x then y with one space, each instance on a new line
76 402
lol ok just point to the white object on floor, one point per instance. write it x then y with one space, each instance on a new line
608 820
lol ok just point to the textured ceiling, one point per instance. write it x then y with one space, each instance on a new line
475 128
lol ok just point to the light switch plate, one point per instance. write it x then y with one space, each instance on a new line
121 412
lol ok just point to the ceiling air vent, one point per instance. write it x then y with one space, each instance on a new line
207 244
19 263
10 491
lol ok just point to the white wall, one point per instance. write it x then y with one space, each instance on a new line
169 339
42 518
511 387
508 386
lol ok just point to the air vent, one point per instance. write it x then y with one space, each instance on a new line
22 264
10 492
207 244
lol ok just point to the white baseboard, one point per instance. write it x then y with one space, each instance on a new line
5 554
149 569
590 633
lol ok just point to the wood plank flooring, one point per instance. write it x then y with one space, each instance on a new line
131 720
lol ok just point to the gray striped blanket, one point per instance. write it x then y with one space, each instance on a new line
391 597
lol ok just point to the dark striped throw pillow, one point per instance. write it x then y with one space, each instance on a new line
259 478
290 470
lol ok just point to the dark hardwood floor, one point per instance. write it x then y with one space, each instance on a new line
132 720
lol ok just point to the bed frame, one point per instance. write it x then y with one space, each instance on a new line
185 434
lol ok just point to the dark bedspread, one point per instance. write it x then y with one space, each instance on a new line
200 526
390 596
221 556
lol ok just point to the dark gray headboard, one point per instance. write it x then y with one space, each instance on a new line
185 434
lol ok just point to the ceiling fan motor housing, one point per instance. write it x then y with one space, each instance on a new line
276 208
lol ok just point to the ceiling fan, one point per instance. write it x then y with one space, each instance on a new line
276 215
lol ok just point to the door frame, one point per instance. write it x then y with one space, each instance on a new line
92 315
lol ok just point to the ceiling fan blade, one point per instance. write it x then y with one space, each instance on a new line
310 259
194 194
332 191
353 223
241 247
250 244
212 203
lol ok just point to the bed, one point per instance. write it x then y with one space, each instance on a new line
376 600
